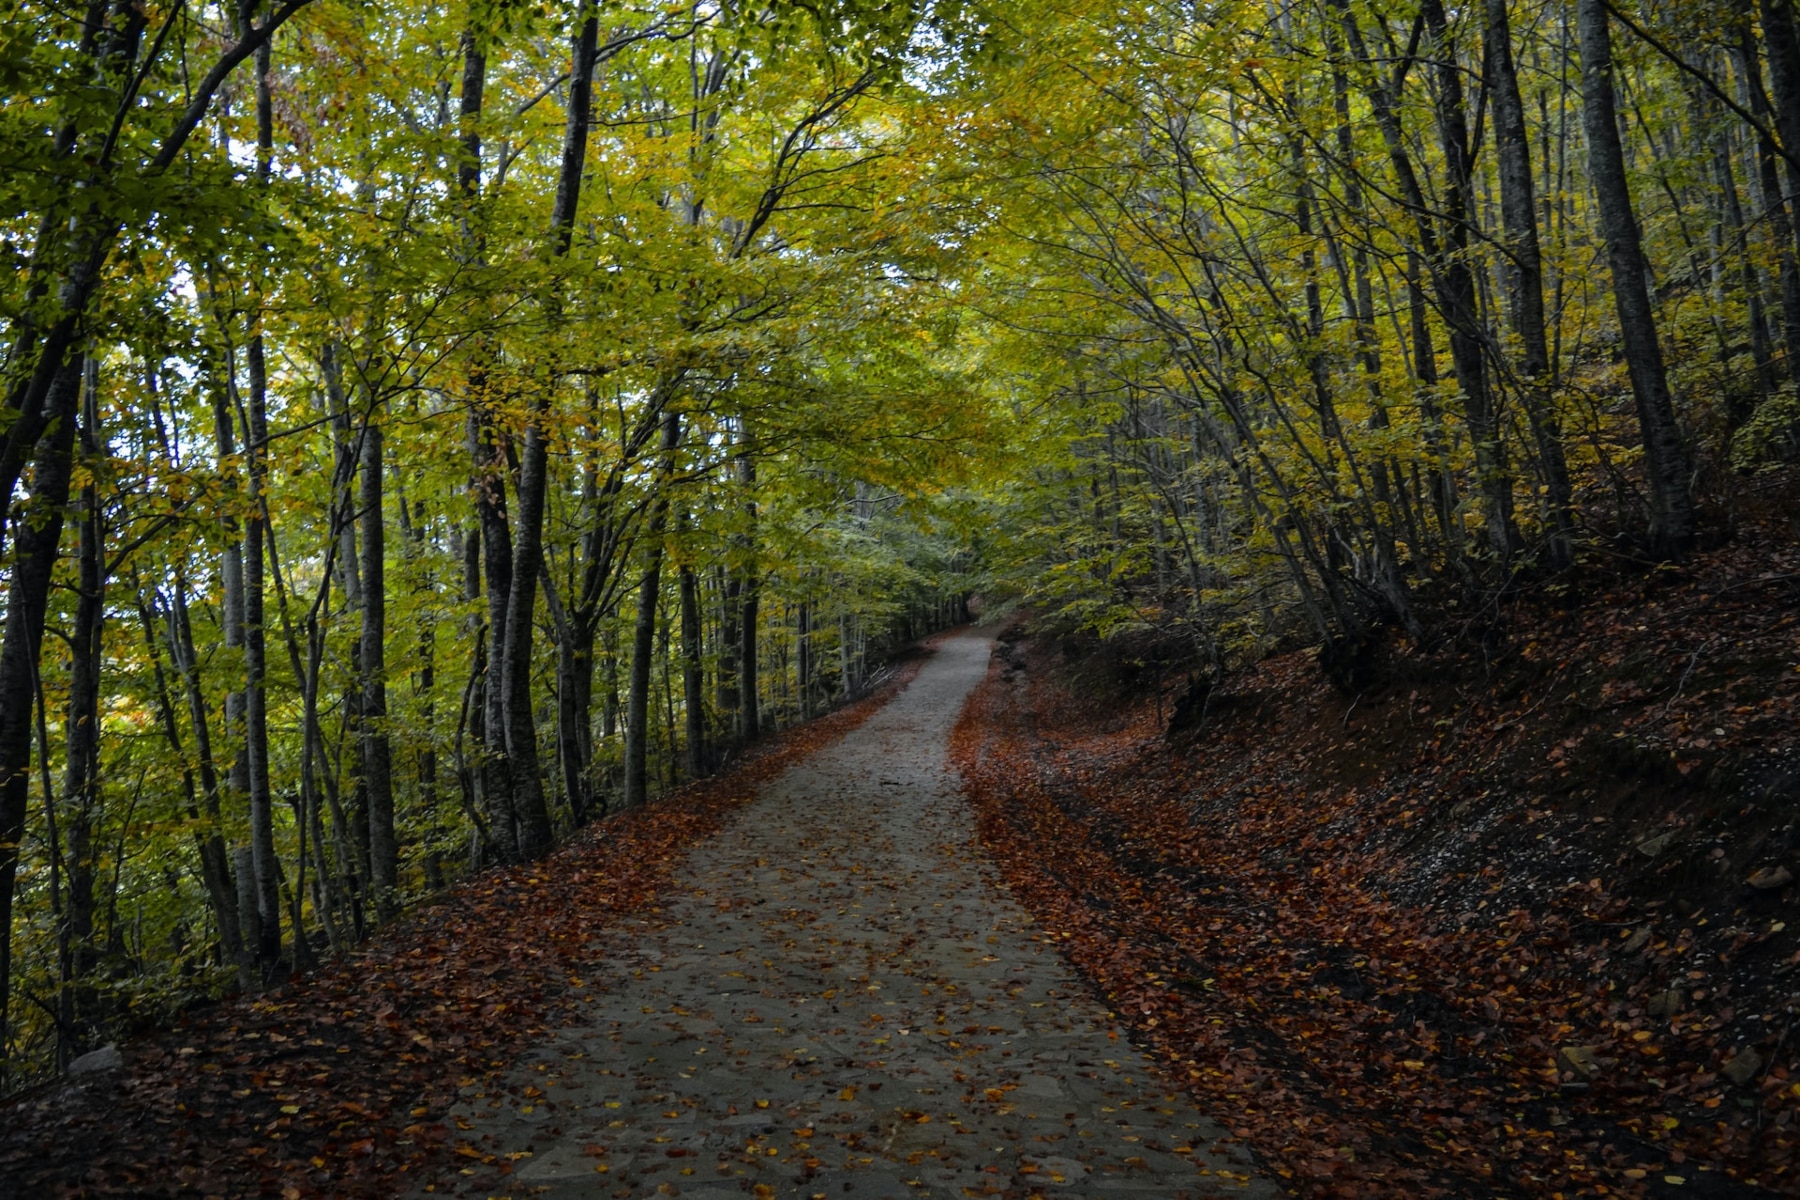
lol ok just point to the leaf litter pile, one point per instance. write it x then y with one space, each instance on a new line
338 1083
1519 923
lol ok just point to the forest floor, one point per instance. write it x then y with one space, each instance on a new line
339 1082
1509 922
801 980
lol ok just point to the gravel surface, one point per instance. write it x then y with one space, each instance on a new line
840 1001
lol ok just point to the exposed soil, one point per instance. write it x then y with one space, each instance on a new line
1514 921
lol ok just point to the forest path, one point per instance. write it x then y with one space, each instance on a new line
839 1001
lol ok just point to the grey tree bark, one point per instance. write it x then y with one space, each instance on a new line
1525 273
256 717
79 803
1672 517
693 668
530 806
643 648
35 548
749 595
377 755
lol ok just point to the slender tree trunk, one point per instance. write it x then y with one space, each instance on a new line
1458 298
749 700
529 803
256 719
803 664
1781 37
1766 183
730 692
693 671
1735 244
187 665
209 848
487 491
36 540
643 647
80 801
377 754
1665 459
425 682
846 675
1523 268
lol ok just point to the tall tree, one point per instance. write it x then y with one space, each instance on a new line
1666 466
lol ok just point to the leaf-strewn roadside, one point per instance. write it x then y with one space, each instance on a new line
337 1084
1488 929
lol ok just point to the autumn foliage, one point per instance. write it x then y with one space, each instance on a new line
1425 940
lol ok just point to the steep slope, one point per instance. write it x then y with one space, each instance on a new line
1515 921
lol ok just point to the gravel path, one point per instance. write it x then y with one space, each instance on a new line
840 1002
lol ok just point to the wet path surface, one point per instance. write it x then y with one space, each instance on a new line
839 1002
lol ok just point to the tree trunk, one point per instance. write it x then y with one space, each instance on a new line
749 701
1766 184
693 670
803 664
377 754
1524 272
487 491
36 541
237 771
643 642
730 589
1735 244
519 725
575 702
1665 460
1458 298
209 847
529 804
1782 39
80 802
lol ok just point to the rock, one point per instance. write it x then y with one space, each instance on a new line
1666 1004
1770 878
1653 846
1638 940
1580 1061
106 1058
1742 1067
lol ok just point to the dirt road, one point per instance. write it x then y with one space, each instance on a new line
839 1001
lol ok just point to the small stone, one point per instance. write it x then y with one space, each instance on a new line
1580 1061
106 1058
1666 1004
1770 878
1742 1067
1638 940
1653 846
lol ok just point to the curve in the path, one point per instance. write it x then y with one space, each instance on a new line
841 1003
